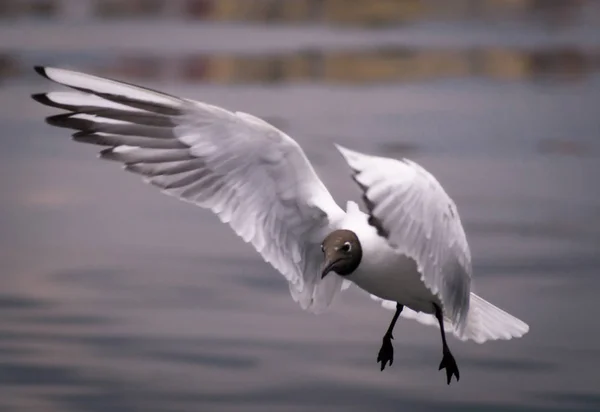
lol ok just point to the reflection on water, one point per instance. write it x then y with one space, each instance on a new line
355 12
354 67
116 298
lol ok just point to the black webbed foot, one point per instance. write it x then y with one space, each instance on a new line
386 353
449 363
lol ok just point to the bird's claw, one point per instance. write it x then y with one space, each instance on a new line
386 353
449 363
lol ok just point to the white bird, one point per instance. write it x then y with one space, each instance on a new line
408 251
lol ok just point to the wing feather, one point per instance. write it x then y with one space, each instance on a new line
412 211
250 174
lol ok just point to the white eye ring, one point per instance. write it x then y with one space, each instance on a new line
346 247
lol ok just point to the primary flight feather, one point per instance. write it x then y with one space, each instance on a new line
408 251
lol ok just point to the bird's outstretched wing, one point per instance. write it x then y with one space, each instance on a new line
409 207
252 175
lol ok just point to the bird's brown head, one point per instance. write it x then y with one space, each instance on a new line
342 253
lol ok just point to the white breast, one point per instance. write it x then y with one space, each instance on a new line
385 273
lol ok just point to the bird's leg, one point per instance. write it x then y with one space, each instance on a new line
448 361
386 353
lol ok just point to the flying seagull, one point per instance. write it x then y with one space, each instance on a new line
409 251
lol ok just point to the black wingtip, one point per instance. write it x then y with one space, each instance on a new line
109 154
41 70
67 121
42 98
60 120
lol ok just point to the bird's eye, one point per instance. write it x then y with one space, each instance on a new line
322 248
346 247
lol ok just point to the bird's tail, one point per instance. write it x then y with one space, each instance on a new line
484 322
488 322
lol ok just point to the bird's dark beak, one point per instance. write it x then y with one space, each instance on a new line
328 266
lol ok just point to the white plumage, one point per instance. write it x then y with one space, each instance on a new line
420 221
253 176
259 181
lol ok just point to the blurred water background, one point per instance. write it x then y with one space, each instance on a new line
116 298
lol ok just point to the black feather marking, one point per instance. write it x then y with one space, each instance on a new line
136 130
145 119
46 101
119 140
92 138
167 168
155 108
41 70
373 220
146 155
141 104
67 120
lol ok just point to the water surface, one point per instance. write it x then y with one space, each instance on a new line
114 297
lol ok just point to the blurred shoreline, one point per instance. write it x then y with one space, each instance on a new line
367 13
198 42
